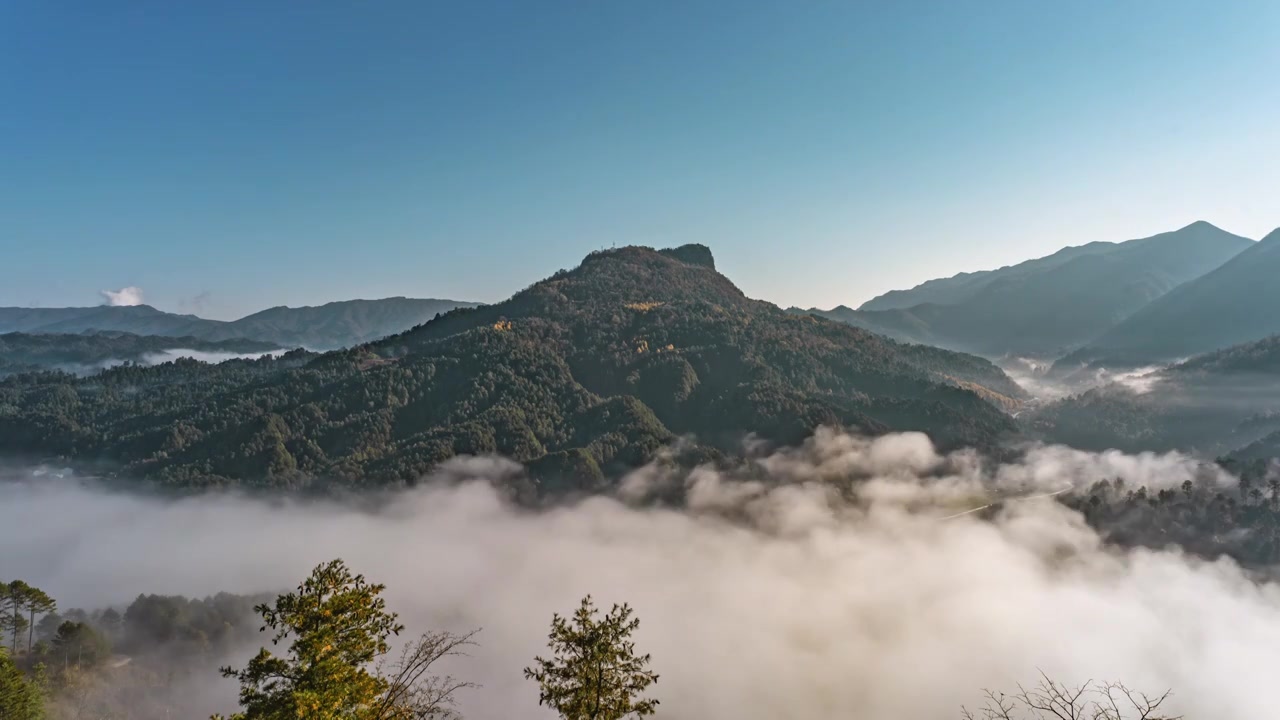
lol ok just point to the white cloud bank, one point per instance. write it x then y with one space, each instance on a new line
799 594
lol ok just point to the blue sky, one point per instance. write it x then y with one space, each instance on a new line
230 156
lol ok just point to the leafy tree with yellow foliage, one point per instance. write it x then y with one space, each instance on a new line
339 628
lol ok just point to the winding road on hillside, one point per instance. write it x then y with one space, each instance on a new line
1006 500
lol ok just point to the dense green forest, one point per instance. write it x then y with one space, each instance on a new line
92 351
1240 521
579 376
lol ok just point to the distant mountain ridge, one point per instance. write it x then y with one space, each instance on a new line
343 323
135 319
1238 302
962 286
1047 306
322 327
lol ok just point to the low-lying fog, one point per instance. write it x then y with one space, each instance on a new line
164 356
1035 377
778 597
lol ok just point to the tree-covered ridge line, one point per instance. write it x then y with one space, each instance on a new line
579 377
84 353
1261 357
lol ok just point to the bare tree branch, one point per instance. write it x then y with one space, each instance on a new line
413 693
1052 700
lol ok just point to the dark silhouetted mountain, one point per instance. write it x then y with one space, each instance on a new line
1236 303
1210 404
333 325
580 376
1048 306
91 352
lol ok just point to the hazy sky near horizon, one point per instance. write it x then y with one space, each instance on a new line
226 157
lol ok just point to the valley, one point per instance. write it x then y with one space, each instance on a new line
639 361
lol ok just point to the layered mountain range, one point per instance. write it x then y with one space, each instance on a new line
580 376
1162 343
593 370
1054 305
1235 303
323 327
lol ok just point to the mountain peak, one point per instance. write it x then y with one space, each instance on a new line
692 254
1272 238
636 273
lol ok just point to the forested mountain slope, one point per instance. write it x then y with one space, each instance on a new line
584 373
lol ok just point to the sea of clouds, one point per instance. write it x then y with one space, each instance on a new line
840 579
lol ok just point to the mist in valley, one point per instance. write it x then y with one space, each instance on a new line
881 358
1045 384
842 578
170 355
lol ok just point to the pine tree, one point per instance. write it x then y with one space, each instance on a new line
594 673
37 602
13 603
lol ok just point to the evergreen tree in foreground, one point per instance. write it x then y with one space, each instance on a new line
338 627
594 673
20 698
